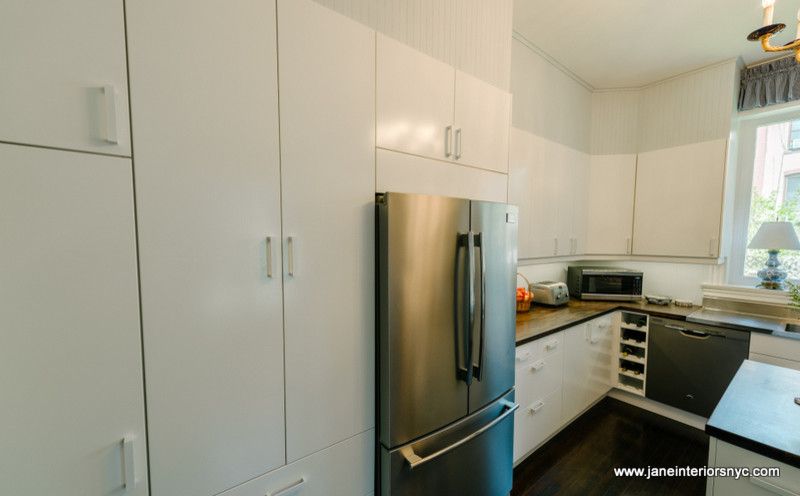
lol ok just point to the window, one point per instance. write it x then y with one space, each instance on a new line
768 188
794 135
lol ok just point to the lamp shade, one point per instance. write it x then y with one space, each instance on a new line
775 236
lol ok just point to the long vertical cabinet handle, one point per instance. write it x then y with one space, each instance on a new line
128 464
110 93
269 256
448 141
555 246
480 243
290 256
458 143
712 247
627 246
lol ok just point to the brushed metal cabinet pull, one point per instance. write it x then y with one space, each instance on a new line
628 246
286 490
269 256
458 143
555 246
128 464
290 255
712 249
110 93
448 141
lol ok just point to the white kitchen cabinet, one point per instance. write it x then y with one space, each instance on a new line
587 365
722 454
482 122
520 189
578 191
678 205
327 76
539 370
205 107
425 107
775 350
70 342
612 181
344 469
415 99
403 173
64 82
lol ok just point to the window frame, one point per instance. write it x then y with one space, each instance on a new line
746 153
792 130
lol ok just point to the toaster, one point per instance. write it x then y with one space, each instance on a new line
550 293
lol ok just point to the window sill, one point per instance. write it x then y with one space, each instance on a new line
746 294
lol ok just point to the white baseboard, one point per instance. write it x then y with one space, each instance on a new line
681 416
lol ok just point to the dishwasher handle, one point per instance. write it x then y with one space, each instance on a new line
691 333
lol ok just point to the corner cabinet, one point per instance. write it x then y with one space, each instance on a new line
612 181
64 83
679 198
427 108
72 420
256 252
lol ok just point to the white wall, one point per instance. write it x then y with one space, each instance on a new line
547 102
472 35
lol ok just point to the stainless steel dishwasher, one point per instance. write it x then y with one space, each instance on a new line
690 365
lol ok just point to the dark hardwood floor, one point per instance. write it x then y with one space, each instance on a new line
581 458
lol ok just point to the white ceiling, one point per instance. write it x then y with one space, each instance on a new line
630 43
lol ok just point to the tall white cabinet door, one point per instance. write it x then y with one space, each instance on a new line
679 200
600 350
563 171
578 192
612 179
70 342
521 188
546 197
64 83
577 369
205 110
415 97
482 121
328 174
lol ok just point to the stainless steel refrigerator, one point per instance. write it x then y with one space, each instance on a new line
446 278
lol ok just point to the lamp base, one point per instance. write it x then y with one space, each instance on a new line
772 276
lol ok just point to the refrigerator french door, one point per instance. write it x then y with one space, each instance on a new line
446 271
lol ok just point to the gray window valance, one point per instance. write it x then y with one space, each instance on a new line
770 83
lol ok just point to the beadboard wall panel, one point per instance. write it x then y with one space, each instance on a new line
615 122
472 35
691 108
547 102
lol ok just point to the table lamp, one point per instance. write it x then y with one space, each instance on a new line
773 237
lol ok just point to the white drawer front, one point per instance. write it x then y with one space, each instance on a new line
526 353
539 377
536 421
551 344
344 469
733 456
781 362
764 344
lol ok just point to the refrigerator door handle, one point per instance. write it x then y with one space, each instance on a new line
478 368
465 309
471 305
413 460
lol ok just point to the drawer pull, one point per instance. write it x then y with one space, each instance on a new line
551 345
773 488
534 409
288 489
537 366
521 357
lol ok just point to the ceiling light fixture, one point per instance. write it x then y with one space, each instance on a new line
768 29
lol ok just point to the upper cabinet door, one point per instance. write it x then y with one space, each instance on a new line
415 95
205 103
612 179
327 101
679 200
577 192
482 123
64 83
70 344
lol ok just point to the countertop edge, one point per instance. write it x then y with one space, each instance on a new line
599 313
754 446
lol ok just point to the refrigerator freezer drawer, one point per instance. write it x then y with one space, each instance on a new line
472 457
